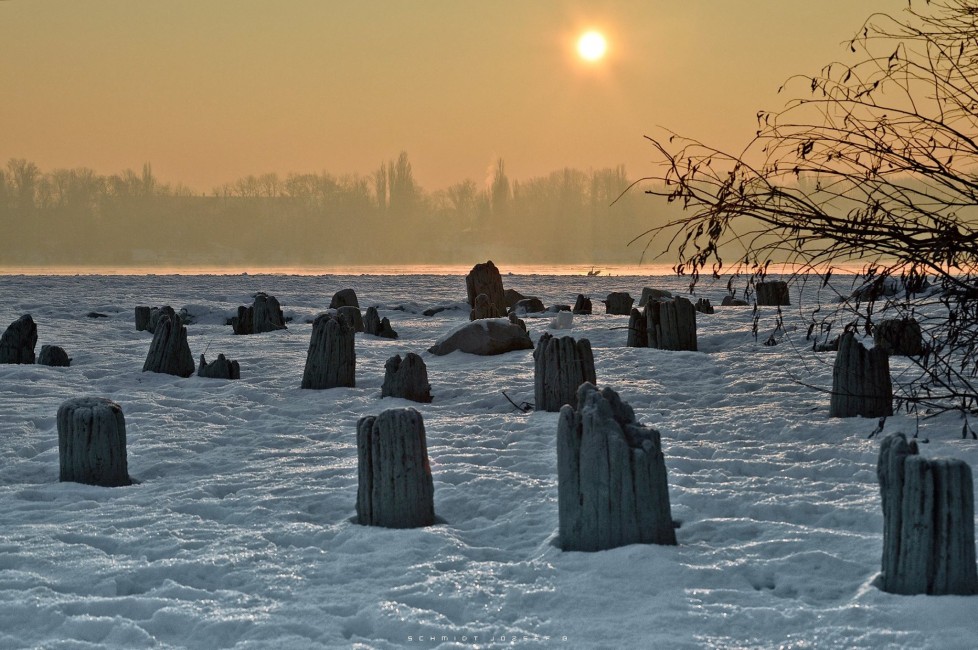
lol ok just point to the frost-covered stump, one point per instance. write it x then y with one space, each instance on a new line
406 378
483 308
264 315
142 314
860 381
618 303
582 305
928 522
612 488
331 359
53 355
773 293
395 489
671 324
18 341
92 442
485 278
703 306
220 368
638 333
169 352
344 298
561 365
374 325
901 336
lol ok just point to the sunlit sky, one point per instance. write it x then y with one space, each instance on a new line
208 91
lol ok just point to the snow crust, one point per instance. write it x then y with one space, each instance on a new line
239 532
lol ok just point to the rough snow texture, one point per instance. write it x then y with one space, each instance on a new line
485 279
395 488
485 337
92 442
671 324
561 364
772 293
899 336
241 533
860 381
169 352
219 368
18 340
331 359
928 522
612 488
406 378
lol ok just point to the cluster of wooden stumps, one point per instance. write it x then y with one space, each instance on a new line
611 473
18 341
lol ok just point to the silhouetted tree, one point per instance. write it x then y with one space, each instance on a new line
873 164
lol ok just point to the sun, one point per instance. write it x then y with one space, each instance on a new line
591 46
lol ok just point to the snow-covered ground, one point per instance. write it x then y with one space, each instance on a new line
239 532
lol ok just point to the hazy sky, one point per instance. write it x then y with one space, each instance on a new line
211 90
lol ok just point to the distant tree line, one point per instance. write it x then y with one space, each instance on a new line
78 217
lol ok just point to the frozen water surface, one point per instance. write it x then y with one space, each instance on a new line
239 533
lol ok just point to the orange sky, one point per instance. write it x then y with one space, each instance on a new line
208 91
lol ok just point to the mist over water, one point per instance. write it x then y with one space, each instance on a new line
75 220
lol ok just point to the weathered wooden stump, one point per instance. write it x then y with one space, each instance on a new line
928 522
169 352
92 442
512 296
220 368
619 303
560 365
650 293
156 313
731 301
374 325
485 278
638 332
264 315
529 306
18 341
484 308
344 298
582 305
671 324
900 336
53 355
331 359
142 318
406 378
860 381
772 293
703 306
612 487
395 488
352 317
